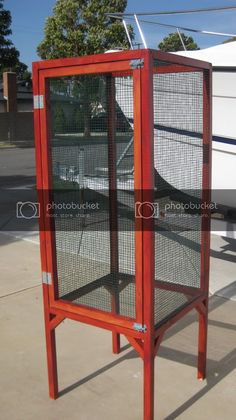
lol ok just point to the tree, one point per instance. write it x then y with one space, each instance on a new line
81 27
229 40
9 55
172 43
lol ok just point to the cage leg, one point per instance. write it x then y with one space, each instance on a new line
51 356
115 309
148 378
202 340
113 216
115 304
115 342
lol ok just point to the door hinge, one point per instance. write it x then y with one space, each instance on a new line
38 101
47 277
140 328
137 64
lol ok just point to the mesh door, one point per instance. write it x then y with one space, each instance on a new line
178 159
93 268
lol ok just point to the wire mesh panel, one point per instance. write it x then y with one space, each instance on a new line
92 171
125 195
178 160
103 262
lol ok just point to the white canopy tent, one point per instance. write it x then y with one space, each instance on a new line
223 55
223 59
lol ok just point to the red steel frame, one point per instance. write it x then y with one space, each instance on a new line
147 341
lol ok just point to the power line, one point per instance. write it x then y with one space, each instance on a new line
175 12
184 28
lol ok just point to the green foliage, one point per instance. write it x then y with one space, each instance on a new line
21 71
88 89
81 27
27 76
9 55
229 40
172 43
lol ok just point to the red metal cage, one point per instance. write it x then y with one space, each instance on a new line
123 153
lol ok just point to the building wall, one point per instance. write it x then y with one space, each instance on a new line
2 107
23 105
18 127
4 126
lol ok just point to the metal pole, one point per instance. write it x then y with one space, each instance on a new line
127 33
181 39
140 31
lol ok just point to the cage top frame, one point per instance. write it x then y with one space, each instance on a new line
120 56
108 62
142 335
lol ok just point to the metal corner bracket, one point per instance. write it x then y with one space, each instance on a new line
46 277
137 63
38 102
140 327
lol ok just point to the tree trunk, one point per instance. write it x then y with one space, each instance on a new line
87 119
87 114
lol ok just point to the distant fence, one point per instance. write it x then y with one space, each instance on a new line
17 127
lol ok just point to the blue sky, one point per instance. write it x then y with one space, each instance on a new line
28 18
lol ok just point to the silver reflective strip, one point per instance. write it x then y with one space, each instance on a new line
47 278
38 102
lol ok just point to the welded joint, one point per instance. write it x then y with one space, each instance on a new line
201 309
157 343
56 321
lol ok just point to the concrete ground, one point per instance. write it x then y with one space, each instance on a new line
94 383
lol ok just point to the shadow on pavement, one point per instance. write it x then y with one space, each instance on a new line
217 370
